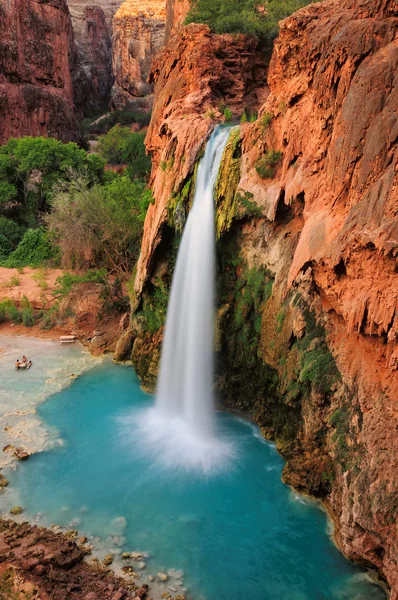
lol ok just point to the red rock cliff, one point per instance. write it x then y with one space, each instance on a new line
37 55
176 11
93 35
333 115
138 34
320 168
194 75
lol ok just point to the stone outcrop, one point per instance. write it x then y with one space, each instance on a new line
176 11
37 62
195 76
307 319
39 563
93 36
138 34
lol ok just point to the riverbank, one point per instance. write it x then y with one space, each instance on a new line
40 564
54 367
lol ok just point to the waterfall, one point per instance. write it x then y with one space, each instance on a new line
185 386
180 430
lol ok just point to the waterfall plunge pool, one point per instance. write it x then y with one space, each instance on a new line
240 533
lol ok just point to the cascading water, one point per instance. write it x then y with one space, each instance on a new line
180 430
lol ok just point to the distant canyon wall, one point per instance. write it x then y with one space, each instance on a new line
138 35
38 61
92 25
307 228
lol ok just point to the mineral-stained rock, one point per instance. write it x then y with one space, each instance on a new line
324 233
93 38
138 34
55 565
195 74
176 12
37 60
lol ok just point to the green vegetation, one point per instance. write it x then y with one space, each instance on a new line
34 250
265 166
58 204
266 119
259 19
99 226
122 146
155 307
108 121
29 167
340 422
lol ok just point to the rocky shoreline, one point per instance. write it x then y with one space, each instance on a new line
38 563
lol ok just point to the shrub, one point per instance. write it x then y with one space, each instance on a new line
252 17
100 226
266 119
11 231
27 317
265 166
34 250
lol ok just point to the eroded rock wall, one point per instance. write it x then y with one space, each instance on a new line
307 222
37 63
92 26
176 11
138 34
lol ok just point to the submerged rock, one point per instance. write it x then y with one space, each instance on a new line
17 510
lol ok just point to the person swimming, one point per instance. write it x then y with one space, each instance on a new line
17 364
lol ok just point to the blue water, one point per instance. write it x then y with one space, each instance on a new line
241 534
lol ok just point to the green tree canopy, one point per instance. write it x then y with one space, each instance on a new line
29 168
122 146
99 226
251 17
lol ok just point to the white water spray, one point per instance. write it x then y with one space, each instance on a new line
180 430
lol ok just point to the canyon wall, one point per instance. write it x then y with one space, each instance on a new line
138 34
38 61
176 12
92 26
307 229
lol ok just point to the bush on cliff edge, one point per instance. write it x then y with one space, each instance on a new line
251 17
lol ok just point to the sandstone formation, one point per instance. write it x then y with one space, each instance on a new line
138 34
196 75
92 29
37 62
308 224
176 12
40 564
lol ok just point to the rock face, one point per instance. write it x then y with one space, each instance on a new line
37 62
138 34
38 563
308 225
176 11
92 29
195 76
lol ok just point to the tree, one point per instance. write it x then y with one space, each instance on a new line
252 17
99 226
122 146
29 168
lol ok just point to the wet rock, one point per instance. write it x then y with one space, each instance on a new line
126 555
3 482
16 510
163 576
108 560
20 454
141 565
